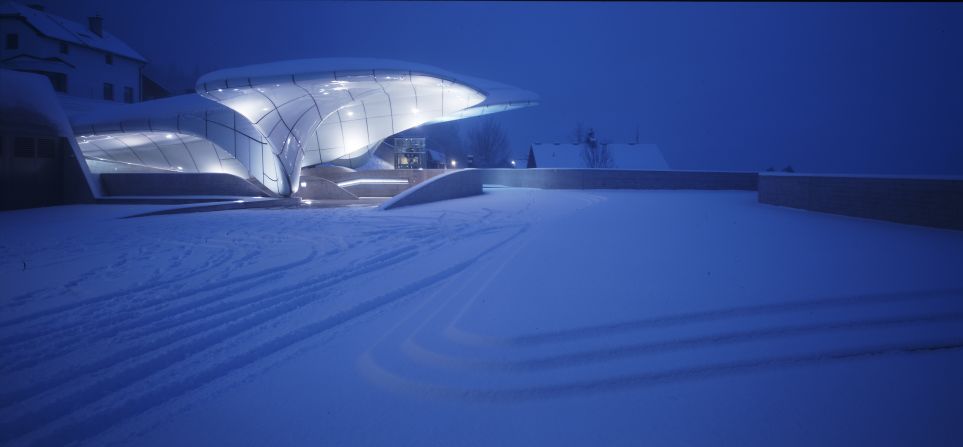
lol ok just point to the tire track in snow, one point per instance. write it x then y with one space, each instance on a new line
88 426
111 323
603 330
112 317
141 288
643 379
575 359
281 301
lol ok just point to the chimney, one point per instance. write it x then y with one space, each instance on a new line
36 6
96 24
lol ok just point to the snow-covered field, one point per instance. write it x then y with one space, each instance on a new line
519 317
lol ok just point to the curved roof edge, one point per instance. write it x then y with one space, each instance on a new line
495 92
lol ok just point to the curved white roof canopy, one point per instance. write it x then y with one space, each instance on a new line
184 133
318 110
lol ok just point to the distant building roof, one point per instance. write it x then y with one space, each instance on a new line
624 156
59 28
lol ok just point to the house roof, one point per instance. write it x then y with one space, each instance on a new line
624 156
59 28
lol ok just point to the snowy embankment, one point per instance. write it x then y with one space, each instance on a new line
519 316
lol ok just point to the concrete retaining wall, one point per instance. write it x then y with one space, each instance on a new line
919 201
173 184
619 179
454 184
317 188
377 190
414 176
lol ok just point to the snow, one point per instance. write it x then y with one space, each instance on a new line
29 100
170 107
69 31
518 317
624 156
29 104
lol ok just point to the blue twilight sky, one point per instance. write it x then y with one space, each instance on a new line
869 88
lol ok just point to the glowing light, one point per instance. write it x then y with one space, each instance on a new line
454 163
414 110
220 90
350 113
326 93
306 202
169 136
265 109
373 181
513 162
180 168
304 184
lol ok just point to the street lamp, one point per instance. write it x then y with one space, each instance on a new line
453 164
513 163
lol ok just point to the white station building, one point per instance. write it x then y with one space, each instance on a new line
259 125
266 122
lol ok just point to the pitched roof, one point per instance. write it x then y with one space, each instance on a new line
624 156
59 28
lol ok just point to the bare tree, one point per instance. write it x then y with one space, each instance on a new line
446 138
578 134
489 143
596 155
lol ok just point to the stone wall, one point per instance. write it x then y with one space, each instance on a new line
175 184
934 202
619 179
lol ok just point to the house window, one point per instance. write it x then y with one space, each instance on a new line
13 41
109 58
128 95
108 91
64 48
23 147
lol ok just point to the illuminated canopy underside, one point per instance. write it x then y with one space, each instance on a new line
267 121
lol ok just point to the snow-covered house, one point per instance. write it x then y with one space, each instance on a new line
80 60
622 156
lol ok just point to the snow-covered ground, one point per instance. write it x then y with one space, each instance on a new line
521 316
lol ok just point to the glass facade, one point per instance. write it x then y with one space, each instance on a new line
212 140
268 126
